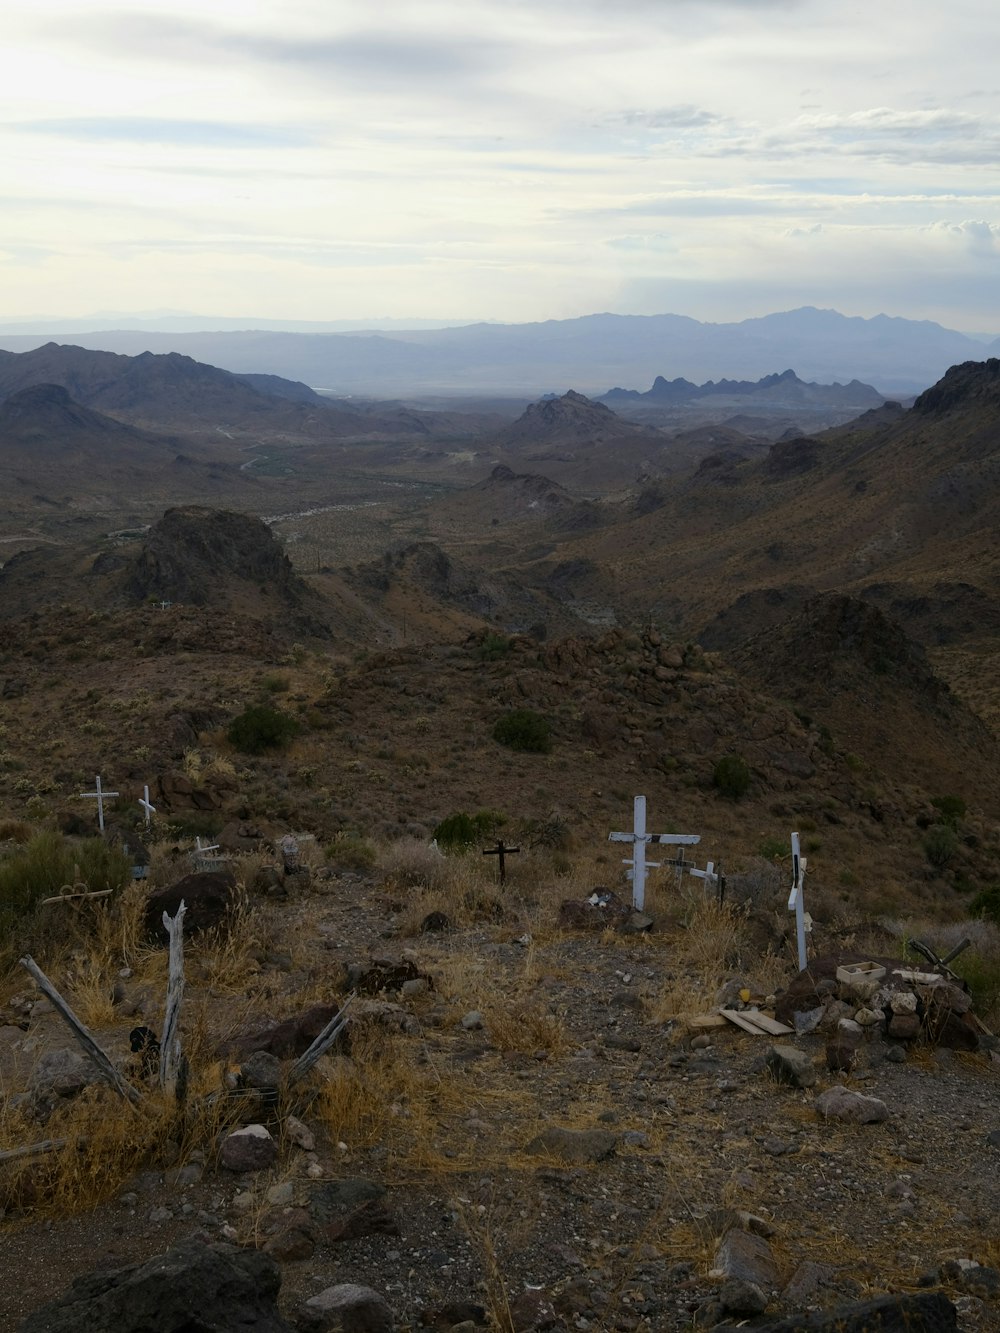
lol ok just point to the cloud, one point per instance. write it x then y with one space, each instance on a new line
197 133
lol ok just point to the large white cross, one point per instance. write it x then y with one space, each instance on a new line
639 838
795 900
145 803
99 795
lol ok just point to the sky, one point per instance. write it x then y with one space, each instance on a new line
511 160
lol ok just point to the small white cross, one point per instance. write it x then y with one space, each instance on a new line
795 900
149 809
639 838
99 795
203 858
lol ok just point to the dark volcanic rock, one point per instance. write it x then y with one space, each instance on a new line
207 896
194 550
929 1312
193 1288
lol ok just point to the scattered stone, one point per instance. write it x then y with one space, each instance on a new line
435 923
615 1042
896 1055
193 1285
809 1020
61 1073
532 1310
299 1134
739 1297
248 1149
993 1138
840 1057
789 1066
472 1021
348 1208
261 1070
869 1018
414 987
288 1039
346 1308
903 1002
806 1283
839 1103
925 1312
280 1194
574 1145
746 1258
291 1238
904 1027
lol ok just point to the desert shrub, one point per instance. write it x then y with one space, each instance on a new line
773 848
950 808
523 729
48 862
986 904
459 831
493 647
940 845
276 684
350 851
412 863
261 728
731 776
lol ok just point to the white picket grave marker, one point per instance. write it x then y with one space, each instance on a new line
203 858
639 838
795 900
99 795
149 809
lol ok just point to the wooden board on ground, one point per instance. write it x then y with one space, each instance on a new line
707 1021
752 1020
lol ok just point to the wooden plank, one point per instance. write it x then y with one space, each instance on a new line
752 1020
707 1021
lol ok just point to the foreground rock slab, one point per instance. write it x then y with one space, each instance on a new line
346 1308
929 1312
193 1286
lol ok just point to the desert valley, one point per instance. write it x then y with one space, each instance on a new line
367 677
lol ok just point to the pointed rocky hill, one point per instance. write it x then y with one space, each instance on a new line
581 444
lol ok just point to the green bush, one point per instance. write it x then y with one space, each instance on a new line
493 647
986 904
731 776
261 728
951 809
525 730
48 862
940 845
773 849
459 831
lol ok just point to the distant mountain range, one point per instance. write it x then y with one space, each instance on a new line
899 357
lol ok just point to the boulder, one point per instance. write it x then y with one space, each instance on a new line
346 1209
788 1065
925 1312
193 1286
208 897
248 1149
346 1308
840 1103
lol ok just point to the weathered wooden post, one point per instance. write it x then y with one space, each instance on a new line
171 1059
795 900
85 1038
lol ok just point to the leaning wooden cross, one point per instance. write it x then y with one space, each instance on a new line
500 851
714 878
639 838
795 900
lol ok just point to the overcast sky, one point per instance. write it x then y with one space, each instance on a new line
501 159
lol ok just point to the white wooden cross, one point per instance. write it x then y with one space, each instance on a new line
712 877
639 838
203 858
99 795
147 807
795 900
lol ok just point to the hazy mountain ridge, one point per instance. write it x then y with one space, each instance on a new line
590 353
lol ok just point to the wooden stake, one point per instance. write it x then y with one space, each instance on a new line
322 1043
171 1059
85 1038
33 1149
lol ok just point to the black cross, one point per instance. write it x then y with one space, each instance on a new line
501 851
